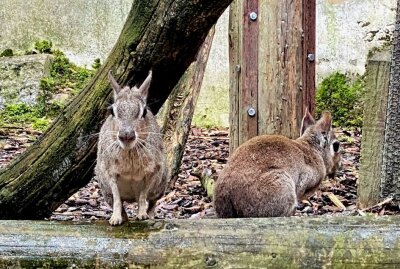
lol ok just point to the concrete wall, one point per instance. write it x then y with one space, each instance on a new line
83 29
213 103
348 29
87 29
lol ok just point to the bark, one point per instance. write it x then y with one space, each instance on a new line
160 35
340 242
270 70
391 151
179 108
373 131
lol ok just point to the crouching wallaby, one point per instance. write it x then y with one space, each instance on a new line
267 175
131 164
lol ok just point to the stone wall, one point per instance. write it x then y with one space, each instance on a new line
20 77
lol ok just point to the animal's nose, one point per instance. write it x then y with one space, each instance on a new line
127 136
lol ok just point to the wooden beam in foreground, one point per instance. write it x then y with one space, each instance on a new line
341 242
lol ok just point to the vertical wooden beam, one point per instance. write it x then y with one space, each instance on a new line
235 52
373 131
276 78
248 92
309 54
281 98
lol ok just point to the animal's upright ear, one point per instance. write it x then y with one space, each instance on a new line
144 88
307 121
114 83
324 124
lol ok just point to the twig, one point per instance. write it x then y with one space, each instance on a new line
211 138
336 201
386 201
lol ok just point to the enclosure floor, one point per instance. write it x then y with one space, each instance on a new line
205 154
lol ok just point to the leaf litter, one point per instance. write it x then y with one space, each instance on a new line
206 153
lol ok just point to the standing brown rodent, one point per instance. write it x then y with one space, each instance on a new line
268 174
131 163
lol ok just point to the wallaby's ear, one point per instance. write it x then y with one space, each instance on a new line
324 124
114 83
144 88
307 121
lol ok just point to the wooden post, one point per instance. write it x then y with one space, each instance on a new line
272 65
309 46
235 45
373 132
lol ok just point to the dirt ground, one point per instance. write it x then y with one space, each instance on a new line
206 153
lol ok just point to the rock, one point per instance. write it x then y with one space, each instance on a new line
20 77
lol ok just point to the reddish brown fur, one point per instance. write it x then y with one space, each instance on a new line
267 175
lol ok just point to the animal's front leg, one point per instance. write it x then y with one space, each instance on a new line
143 205
116 217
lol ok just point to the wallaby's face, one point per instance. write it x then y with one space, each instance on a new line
320 134
129 111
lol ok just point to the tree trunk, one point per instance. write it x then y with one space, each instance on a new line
160 35
373 131
391 151
272 68
340 242
179 108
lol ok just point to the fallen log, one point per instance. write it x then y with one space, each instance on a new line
340 242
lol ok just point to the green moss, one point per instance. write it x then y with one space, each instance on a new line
7 53
96 64
68 75
342 96
208 184
43 46
65 77
20 113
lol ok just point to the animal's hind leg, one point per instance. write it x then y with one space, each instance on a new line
124 214
152 208
273 196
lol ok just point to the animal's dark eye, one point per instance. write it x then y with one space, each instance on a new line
110 110
144 113
336 146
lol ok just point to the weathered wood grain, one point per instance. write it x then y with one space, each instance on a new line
276 77
235 52
248 125
309 47
373 131
342 242
179 108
